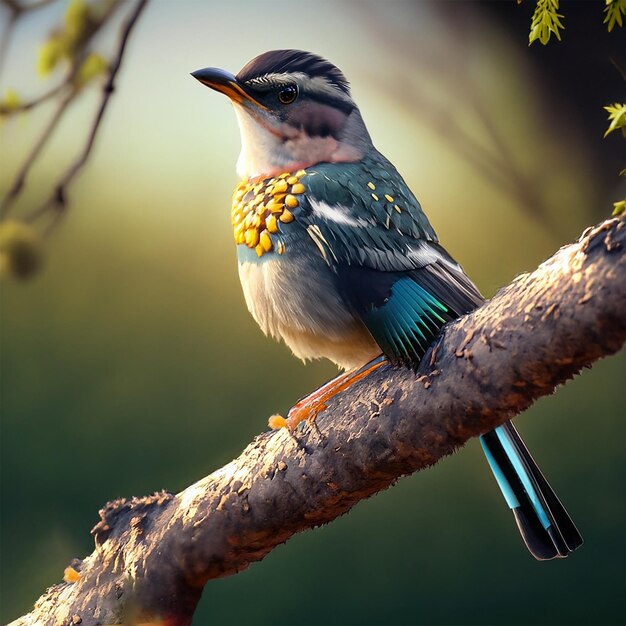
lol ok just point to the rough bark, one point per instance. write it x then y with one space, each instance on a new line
153 555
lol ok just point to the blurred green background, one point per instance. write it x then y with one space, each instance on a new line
130 364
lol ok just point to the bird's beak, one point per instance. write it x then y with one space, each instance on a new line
226 83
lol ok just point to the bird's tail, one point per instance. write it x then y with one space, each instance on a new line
543 521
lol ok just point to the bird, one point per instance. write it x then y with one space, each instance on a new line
337 258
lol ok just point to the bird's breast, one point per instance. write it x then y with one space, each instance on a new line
296 299
261 208
289 288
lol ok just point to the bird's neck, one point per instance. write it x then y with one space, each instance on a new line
267 151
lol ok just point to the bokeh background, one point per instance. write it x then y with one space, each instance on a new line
130 364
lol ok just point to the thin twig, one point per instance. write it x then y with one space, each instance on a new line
5 38
618 66
518 184
16 10
464 144
21 176
58 197
74 65
494 161
24 7
35 102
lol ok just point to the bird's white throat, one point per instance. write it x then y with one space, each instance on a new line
267 150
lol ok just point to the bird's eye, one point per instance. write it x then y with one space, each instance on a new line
288 94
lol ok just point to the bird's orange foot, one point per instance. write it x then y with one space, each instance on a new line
276 422
310 406
71 575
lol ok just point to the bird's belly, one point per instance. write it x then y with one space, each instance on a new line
294 302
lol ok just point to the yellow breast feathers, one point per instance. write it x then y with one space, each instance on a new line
258 207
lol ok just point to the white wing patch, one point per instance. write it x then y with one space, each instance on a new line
422 254
336 213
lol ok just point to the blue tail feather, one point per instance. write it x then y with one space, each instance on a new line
518 465
544 524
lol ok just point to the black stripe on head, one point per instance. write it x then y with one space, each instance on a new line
291 61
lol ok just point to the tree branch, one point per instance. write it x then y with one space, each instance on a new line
153 555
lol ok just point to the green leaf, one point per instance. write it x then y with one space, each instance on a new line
545 22
614 11
617 117
619 208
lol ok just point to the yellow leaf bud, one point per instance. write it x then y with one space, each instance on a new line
49 54
94 65
21 253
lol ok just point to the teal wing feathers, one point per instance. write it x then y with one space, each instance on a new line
391 270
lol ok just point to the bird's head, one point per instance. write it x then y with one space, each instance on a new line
294 110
